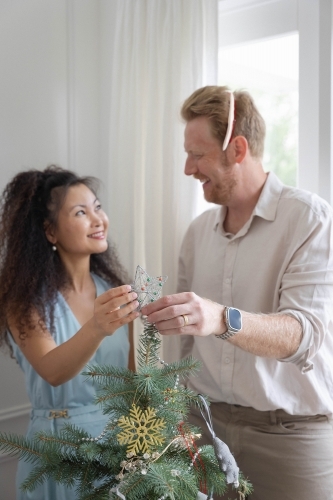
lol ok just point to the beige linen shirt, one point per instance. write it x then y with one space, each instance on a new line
281 261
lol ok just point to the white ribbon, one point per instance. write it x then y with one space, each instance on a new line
231 118
202 496
115 490
225 458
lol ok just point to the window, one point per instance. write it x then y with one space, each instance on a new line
268 69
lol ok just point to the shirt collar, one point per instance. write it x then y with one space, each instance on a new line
267 204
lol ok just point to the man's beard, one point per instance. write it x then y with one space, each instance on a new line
222 191
221 194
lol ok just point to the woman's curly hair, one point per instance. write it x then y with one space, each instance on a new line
31 273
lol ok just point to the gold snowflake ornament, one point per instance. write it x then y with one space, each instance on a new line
141 430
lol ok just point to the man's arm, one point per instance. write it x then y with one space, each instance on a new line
268 335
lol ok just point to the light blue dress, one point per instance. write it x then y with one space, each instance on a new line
76 396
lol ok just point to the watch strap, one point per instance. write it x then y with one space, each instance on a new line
226 335
230 331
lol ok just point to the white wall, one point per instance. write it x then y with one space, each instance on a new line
49 85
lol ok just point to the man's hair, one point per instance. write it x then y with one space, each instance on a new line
213 102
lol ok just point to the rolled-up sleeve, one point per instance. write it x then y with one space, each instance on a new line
306 291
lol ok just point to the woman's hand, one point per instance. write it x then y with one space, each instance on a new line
114 308
186 314
59 363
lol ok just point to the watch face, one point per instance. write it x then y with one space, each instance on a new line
235 319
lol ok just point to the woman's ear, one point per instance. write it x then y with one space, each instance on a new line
50 233
240 148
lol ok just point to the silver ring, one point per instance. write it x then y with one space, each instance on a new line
185 317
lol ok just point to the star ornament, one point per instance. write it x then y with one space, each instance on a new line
147 288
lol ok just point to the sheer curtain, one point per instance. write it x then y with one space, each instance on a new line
154 54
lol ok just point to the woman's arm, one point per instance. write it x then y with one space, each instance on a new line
59 363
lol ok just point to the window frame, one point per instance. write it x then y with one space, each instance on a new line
242 21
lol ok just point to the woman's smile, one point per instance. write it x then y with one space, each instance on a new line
100 235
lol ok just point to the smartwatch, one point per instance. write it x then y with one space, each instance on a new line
233 321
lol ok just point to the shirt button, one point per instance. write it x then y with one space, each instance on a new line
227 361
227 280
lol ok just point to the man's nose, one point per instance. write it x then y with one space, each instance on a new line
190 166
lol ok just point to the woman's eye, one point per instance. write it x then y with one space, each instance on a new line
80 212
98 207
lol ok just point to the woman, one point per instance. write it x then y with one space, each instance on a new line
57 310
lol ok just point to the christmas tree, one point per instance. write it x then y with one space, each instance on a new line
148 449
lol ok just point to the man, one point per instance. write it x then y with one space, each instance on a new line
255 304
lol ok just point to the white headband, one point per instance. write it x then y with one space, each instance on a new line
230 121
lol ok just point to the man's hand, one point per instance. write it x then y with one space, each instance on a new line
169 315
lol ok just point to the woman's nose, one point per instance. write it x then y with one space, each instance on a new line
96 219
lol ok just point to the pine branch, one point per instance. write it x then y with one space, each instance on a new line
132 485
20 446
183 368
85 479
149 379
115 408
99 493
48 439
214 480
107 396
149 346
111 455
36 478
181 486
102 374
72 433
89 451
67 470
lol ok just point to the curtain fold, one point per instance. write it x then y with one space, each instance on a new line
154 54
